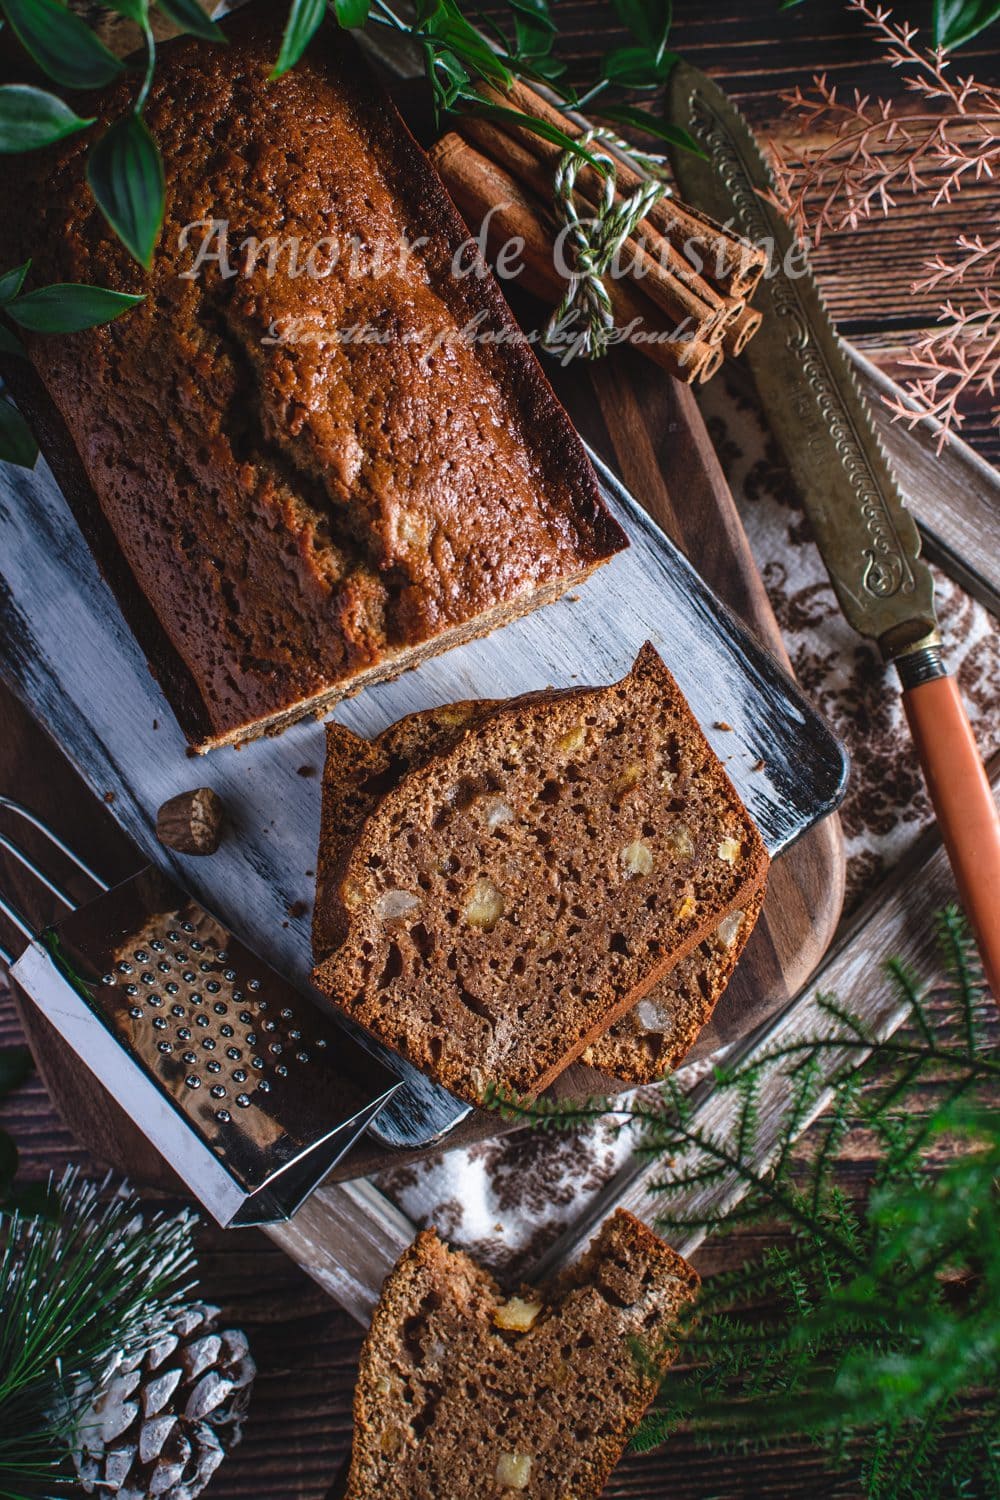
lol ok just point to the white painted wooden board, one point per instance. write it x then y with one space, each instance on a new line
69 655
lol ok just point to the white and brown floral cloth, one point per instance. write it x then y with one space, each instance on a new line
506 1199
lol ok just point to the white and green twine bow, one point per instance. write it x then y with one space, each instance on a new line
594 242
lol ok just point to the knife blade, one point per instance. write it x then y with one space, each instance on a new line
867 538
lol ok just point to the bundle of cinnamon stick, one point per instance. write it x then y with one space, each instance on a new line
682 290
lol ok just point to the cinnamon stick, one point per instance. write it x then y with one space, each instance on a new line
741 330
666 277
481 188
732 263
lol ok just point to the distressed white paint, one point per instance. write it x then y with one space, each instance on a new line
70 656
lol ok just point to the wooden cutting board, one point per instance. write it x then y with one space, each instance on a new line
650 429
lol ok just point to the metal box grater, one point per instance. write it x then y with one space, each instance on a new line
240 1082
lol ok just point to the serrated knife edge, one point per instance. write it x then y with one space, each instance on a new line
867 538
822 422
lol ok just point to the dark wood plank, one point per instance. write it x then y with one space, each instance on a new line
757 51
653 431
306 1349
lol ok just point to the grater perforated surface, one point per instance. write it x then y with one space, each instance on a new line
252 1065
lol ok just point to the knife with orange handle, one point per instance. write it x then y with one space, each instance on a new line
960 791
867 537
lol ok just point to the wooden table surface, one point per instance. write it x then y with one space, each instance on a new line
306 1349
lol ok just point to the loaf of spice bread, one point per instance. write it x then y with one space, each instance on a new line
512 895
651 1039
316 454
463 1392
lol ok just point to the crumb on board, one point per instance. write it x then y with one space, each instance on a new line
310 874
758 765
297 909
109 797
721 724
306 771
156 723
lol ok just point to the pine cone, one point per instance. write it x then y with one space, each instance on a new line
166 1419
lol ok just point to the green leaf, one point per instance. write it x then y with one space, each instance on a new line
11 344
30 118
189 16
534 29
638 119
132 10
958 21
537 126
125 173
637 67
303 22
68 307
538 12
61 44
445 23
351 13
16 1064
648 20
451 80
11 282
17 442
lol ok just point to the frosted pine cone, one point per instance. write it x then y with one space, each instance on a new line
164 1421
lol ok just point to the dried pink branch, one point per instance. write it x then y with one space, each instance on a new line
956 360
872 151
981 258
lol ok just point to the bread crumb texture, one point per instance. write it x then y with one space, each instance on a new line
494 950
453 1401
301 508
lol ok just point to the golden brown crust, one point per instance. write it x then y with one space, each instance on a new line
646 1043
456 1382
603 836
305 513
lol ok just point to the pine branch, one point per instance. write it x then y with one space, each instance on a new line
872 1354
878 1322
77 1293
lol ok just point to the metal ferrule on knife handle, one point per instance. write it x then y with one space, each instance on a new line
867 538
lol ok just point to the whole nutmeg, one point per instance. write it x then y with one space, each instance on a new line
191 822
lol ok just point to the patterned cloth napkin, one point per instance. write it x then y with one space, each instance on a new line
506 1199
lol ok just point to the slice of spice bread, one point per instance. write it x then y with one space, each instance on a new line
647 1042
463 1393
656 1035
510 897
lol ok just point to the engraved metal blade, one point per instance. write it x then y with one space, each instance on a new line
868 539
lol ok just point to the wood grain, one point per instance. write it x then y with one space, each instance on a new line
954 532
305 1347
652 429
897 918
